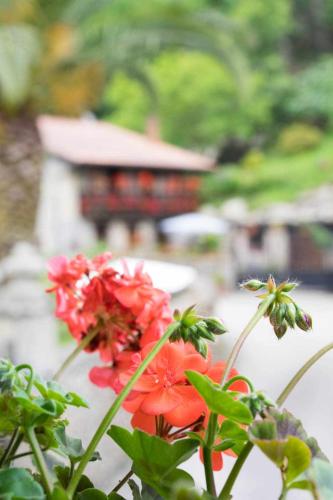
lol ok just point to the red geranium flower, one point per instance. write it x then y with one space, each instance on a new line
163 390
163 398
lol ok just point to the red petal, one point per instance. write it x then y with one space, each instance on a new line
217 460
189 408
133 402
101 376
144 422
160 401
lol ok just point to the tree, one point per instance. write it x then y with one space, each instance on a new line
55 56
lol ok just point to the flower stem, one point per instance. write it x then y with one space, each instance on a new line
245 333
225 493
8 450
111 413
238 377
302 371
212 424
40 462
122 481
207 454
82 345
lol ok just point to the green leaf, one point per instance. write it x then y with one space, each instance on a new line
19 484
231 430
63 476
71 447
283 439
134 489
53 390
155 460
91 494
219 401
115 496
298 455
320 479
59 494
148 493
226 444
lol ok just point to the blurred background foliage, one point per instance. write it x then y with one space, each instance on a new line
249 82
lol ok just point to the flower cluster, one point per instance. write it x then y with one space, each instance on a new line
163 401
122 312
283 312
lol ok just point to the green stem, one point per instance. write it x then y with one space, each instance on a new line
207 454
16 445
40 462
301 372
25 454
82 345
280 401
9 447
212 424
283 494
104 425
31 375
238 377
245 333
226 491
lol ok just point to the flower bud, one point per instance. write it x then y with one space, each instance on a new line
271 285
303 320
281 329
253 285
290 315
257 402
204 332
287 286
196 329
215 325
281 313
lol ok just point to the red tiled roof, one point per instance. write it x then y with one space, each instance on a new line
93 142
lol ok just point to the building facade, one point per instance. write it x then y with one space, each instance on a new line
104 182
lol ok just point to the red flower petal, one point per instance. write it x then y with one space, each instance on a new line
160 401
144 422
189 408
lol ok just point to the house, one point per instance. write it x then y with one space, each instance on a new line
101 181
287 239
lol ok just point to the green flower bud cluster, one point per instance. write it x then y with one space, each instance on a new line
283 312
197 329
257 402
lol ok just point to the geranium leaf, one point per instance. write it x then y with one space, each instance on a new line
19 484
155 460
91 494
72 447
59 494
283 439
63 476
53 390
219 401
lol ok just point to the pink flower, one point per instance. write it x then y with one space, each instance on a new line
127 311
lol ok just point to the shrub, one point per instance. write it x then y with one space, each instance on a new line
253 159
312 96
298 137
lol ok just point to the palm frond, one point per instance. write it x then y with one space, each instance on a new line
19 52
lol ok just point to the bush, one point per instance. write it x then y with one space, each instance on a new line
253 159
298 137
312 96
